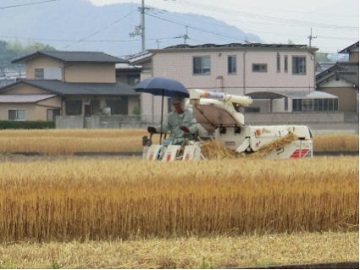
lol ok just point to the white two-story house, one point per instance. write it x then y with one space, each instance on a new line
279 77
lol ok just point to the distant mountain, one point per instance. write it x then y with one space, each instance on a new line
78 25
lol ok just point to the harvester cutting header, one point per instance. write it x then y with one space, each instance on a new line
219 119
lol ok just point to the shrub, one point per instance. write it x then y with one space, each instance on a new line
4 124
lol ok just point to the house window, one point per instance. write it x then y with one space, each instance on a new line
299 65
232 64
16 115
53 73
132 79
307 105
252 109
118 106
39 73
201 65
285 63
316 105
259 67
326 104
286 104
278 62
95 106
297 105
73 107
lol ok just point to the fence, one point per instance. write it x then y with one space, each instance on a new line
106 122
318 122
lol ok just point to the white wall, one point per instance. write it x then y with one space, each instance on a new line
178 65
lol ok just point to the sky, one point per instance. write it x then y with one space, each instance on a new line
330 25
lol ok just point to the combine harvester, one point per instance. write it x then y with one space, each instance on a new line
220 119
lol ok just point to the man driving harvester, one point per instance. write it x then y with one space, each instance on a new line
181 124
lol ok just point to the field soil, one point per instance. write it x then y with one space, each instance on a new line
188 252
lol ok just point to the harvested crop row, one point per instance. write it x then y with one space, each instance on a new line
218 252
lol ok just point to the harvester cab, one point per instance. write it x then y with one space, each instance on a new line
220 118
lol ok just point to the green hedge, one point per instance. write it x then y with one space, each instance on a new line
26 124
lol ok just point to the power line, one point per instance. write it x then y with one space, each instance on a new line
193 27
100 30
236 38
28 4
267 18
337 38
69 40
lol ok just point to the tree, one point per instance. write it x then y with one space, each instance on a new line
37 47
322 57
15 49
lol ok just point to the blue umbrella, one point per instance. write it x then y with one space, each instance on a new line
161 86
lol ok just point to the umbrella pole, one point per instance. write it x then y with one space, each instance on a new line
161 117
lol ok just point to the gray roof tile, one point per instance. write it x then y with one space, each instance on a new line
237 45
23 98
70 56
62 88
350 48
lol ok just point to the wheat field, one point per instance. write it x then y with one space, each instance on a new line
67 142
336 142
71 212
112 199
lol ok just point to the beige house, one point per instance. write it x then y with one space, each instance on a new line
67 83
279 77
342 80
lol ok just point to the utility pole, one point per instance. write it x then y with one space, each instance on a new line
185 36
140 29
311 37
142 11
158 43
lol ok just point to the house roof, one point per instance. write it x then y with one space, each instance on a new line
62 88
319 94
348 71
71 56
350 48
140 57
322 66
238 46
291 94
23 98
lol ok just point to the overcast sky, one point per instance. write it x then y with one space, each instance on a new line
334 23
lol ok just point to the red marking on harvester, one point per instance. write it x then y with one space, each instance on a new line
299 153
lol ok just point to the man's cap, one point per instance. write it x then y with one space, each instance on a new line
177 100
